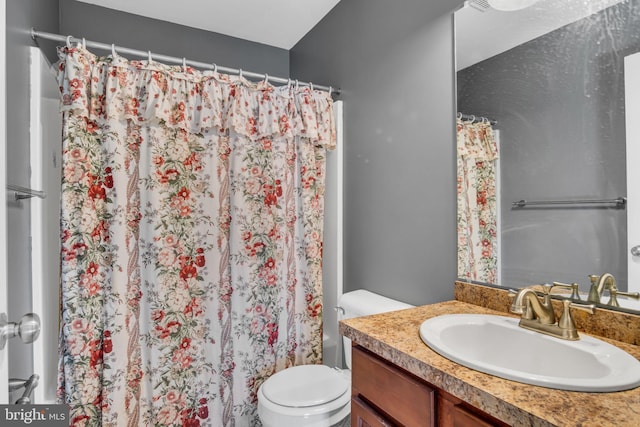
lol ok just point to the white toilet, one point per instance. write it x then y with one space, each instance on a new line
317 395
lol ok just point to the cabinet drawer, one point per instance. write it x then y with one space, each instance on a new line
463 418
362 415
397 394
452 412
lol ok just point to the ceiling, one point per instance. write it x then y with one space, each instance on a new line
279 23
482 32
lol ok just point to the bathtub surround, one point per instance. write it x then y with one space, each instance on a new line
20 16
192 235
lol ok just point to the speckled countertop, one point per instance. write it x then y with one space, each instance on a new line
395 336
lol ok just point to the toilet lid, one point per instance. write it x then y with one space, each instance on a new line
306 385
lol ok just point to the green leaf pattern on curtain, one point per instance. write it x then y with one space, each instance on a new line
192 219
477 240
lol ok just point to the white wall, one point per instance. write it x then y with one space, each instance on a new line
45 134
21 15
332 268
4 362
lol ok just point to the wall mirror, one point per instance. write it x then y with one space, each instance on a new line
552 78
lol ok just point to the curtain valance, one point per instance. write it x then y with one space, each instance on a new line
113 87
476 141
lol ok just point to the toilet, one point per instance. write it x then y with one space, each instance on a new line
318 395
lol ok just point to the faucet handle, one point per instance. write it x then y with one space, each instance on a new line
546 289
572 287
613 296
566 323
589 308
594 294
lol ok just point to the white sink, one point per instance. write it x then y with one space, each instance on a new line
497 345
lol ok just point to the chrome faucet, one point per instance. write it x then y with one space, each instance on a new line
540 316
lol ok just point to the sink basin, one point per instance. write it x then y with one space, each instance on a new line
497 345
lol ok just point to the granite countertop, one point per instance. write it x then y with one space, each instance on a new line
395 336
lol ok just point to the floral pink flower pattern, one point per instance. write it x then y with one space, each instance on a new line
477 251
192 219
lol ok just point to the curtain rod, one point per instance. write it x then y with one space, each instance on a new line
165 58
474 118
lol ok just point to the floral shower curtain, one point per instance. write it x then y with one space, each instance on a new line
192 219
476 159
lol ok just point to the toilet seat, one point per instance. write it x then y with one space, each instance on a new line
291 406
335 406
304 386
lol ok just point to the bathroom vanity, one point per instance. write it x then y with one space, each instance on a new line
397 379
406 400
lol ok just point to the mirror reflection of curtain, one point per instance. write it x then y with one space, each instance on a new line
192 223
477 153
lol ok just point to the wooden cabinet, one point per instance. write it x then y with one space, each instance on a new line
384 395
452 412
397 396
363 415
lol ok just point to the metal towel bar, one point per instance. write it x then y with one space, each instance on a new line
619 202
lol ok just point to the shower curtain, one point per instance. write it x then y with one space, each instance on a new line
192 219
477 240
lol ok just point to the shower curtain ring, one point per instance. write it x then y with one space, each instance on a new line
215 67
84 43
69 40
459 116
184 64
289 83
150 60
473 118
113 49
240 73
311 86
330 90
266 78
297 84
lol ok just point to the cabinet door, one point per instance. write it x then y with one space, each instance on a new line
362 415
463 418
402 398
453 413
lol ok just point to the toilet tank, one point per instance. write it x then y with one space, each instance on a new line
364 303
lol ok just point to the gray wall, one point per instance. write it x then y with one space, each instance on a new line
394 64
110 26
559 102
21 16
